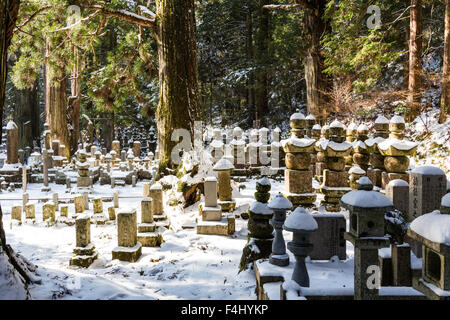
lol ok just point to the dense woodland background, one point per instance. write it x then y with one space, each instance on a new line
249 60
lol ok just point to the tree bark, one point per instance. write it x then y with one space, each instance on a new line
262 77
415 60
56 107
8 16
250 55
9 10
26 115
316 82
75 101
178 105
445 95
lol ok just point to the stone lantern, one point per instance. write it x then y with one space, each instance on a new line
279 205
302 224
310 122
147 163
217 148
108 160
130 159
238 148
223 169
367 210
361 155
396 151
335 178
298 177
432 230
376 158
151 156
260 231
355 173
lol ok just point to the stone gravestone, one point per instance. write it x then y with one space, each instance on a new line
147 234
84 253
329 239
398 191
129 248
12 140
428 186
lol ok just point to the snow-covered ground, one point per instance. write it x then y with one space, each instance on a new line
187 266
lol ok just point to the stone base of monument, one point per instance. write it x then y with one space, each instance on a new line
279 260
161 220
148 236
388 177
375 175
99 218
84 257
150 239
227 206
302 199
270 279
130 254
82 190
254 250
210 213
332 196
224 227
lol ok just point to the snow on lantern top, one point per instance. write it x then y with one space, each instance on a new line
223 165
300 221
280 202
382 119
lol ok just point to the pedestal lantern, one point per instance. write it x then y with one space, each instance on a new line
280 205
302 224
432 230
367 210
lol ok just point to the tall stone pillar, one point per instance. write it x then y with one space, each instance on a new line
12 143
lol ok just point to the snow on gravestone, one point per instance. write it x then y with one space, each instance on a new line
427 187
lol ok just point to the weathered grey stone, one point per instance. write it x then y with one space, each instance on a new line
329 239
79 204
30 211
401 266
16 213
127 227
426 191
398 192
48 211
146 210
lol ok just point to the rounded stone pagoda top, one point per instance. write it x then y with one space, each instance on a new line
223 165
429 170
264 181
317 127
356 170
11 125
352 126
398 183
280 202
298 116
300 221
156 186
211 179
310 117
337 124
108 156
260 208
363 128
397 119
